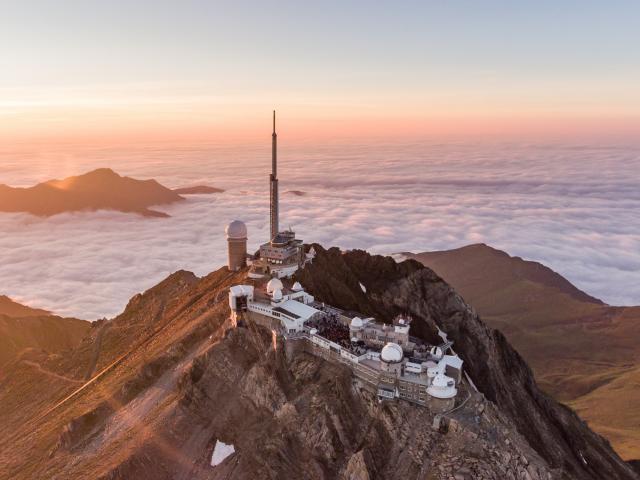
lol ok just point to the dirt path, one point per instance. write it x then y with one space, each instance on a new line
38 367
96 352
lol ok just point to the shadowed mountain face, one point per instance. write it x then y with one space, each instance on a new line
28 330
583 352
101 189
494 366
171 377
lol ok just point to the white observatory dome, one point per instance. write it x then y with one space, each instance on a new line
297 287
356 323
277 295
273 285
391 353
236 230
436 352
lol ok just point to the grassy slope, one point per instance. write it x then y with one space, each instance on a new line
581 350
23 328
14 309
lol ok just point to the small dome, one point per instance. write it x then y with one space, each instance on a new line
391 353
356 323
277 295
297 287
436 352
274 284
236 230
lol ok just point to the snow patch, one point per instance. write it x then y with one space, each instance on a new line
220 452
362 287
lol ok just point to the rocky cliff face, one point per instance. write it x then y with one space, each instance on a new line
583 353
553 430
173 378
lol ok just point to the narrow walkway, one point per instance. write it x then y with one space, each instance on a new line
96 351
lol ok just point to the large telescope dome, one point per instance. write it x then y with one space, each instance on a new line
236 230
391 353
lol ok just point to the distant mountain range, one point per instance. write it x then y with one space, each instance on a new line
101 189
584 352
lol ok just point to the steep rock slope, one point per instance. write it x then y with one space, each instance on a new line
581 350
173 377
186 381
552 429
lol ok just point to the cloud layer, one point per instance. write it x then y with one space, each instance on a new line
574 208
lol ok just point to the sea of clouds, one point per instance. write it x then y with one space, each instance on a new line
575 208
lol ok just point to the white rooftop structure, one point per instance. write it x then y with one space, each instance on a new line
391 353
442 387
298 309
241 290
274 284
452 361
297 287
356 323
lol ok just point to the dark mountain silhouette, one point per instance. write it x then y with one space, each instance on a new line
101 189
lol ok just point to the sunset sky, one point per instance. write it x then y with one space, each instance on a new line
73 70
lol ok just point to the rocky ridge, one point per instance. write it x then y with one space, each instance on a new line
172 377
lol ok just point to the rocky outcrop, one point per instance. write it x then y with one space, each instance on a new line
552 429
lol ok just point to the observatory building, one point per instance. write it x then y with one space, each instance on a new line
237 245
383 357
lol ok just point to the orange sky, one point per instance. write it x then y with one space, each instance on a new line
201 121
209 71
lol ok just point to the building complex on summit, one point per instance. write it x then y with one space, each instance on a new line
384 358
